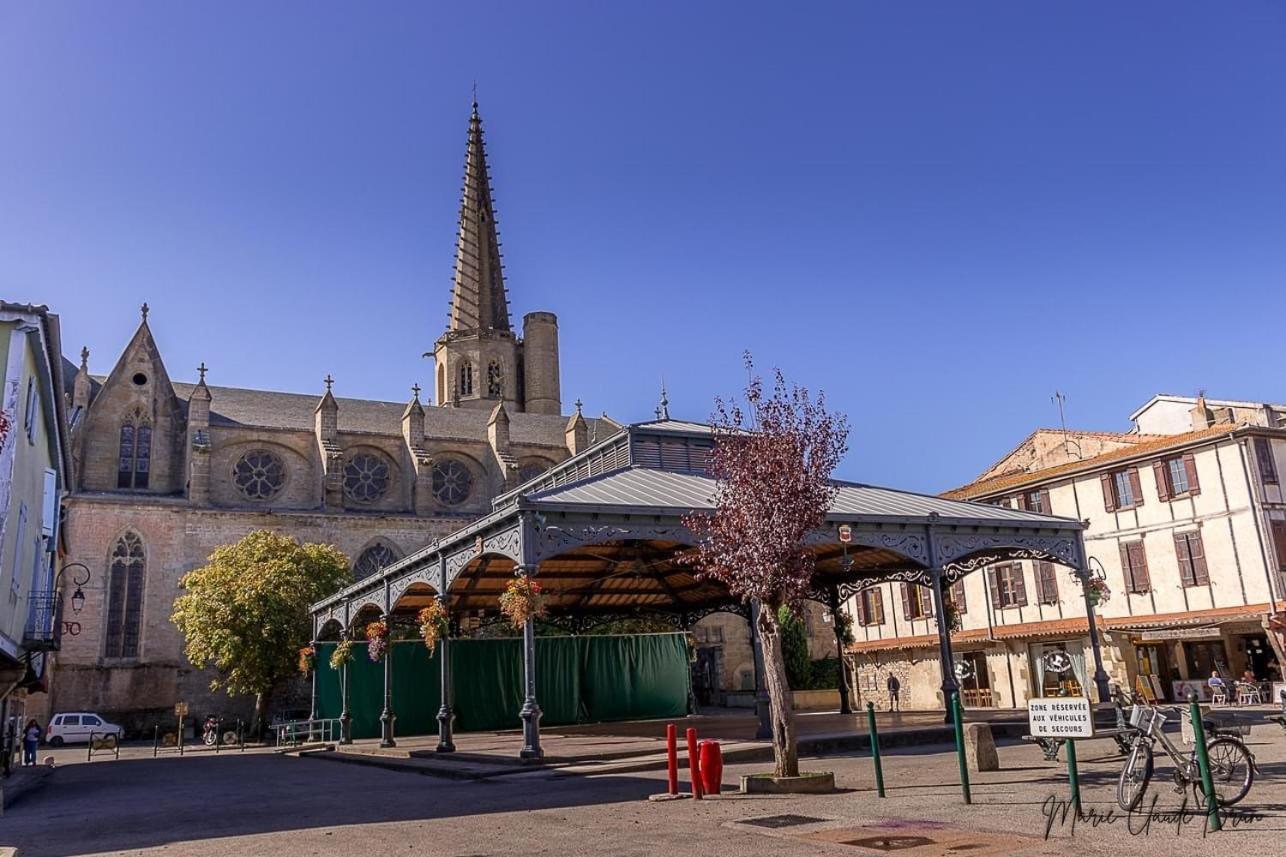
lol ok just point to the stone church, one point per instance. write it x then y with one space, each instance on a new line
167 471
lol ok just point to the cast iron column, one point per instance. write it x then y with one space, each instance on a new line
530 712
949 685
446 742
312 714
1100 674
832 597
387 717
762 706
345 716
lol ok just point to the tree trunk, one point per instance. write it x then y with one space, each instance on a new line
261 705
785 751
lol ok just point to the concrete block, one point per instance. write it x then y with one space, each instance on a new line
980 748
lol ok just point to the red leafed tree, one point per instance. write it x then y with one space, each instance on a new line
772 462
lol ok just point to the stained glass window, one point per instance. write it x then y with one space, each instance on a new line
366 478
451 482
259 475
125 597
372 560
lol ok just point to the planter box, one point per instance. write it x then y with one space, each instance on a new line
807 783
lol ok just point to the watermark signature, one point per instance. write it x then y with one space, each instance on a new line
1144 820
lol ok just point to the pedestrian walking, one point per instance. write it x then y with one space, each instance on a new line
895 687
30 742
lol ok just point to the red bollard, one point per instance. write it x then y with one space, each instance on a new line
694 764
672 756
710 762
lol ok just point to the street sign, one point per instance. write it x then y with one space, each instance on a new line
180 709
845 534
1060 717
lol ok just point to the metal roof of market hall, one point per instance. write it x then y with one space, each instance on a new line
651 475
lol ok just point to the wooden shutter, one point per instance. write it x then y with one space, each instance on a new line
993 586
1181 552
926 601
1161 469
958 596
863 615
1138 561
1197 550
1020 586
1190 467
1022 501
1044 502
1046 583
1279 544
1136 487
1109 492
906 601
1126 571
878 602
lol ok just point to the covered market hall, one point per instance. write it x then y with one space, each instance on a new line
601 532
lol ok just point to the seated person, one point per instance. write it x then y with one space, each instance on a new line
1215 683
1248 677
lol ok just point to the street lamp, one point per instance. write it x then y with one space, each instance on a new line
78 597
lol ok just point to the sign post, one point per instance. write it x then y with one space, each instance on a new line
1066 718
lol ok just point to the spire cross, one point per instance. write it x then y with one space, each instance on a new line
663 409
145 310
328 381
579 404
84 357
202 370
415 390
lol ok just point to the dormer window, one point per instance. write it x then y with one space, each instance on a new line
135 460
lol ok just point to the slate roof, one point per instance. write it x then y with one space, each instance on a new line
237 406
640 488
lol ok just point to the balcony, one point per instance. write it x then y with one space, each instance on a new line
43 631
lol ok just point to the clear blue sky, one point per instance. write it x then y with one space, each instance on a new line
937 212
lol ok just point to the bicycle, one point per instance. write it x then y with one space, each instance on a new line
1232 765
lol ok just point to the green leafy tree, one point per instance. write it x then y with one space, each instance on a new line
245 613
794 649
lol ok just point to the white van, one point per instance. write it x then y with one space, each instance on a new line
76 728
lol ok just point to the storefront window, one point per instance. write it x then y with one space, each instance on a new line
1058 669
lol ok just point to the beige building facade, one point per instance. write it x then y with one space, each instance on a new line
167 471
1186 528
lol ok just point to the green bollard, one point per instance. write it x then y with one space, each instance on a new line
957 714
1074 775
1203 762
875 748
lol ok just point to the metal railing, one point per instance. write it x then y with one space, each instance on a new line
295 732
43 631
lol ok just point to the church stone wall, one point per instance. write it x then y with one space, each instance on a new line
297 450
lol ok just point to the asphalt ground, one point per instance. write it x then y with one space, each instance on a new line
260 803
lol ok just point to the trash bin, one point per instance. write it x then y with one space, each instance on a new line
711 766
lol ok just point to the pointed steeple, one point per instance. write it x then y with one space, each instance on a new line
478 299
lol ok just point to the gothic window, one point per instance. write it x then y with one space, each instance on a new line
495 380
451 482
366 478
466 378
531 469
259 475
125 597
135 456
372 560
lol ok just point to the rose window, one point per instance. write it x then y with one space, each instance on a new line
366 478
372 560
451 482
259 475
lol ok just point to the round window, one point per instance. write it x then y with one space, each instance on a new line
259 475
451 482
139 378
366 478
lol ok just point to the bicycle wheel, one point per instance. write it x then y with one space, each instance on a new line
1134 776
1232 771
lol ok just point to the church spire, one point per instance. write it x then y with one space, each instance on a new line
478 300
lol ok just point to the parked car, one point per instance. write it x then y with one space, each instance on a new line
76 727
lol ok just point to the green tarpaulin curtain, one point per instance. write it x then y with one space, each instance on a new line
579 680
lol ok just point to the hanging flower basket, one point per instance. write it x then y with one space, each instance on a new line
434 624
952 614
522 600
342 655
377 637
1096 591
307 659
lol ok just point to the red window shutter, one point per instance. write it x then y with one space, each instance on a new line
1161 470
1139 567
863 617
1109 492
1126 571
1197 551
1190 466
1020 587
1136 488
906 601
1184 555
1044 502
879 606
993 586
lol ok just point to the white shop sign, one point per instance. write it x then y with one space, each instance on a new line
1060 717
